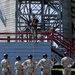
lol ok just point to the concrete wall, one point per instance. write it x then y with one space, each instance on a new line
8 10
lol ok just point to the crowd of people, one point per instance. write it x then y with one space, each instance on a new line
28 64
31 65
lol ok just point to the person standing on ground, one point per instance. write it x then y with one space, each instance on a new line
29 64
67 62
5 64
33 25
18 66
45 65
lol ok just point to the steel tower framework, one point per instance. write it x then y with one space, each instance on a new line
48 13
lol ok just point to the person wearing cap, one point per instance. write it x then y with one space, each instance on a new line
18 66
67 62
33 25
45 65
5 65
29 64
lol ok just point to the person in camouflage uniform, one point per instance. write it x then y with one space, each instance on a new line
33 24
5 64
67 63
18 66
29 64
45 65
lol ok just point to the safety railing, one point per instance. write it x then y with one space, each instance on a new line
23 36
48 36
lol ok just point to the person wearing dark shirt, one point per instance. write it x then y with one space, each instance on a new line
33 24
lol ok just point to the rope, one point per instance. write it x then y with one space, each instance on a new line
33 49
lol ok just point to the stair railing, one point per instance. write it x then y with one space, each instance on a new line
63 41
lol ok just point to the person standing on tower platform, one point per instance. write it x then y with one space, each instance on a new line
67 62
33 25
45 64
5 64
18 66
29 64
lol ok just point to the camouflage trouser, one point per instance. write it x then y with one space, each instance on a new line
30 71
45 72
5 71
34 31
19 72
66 71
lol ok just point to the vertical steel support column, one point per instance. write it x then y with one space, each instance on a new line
16 16
42 12
59 14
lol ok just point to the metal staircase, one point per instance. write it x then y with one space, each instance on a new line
63 42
